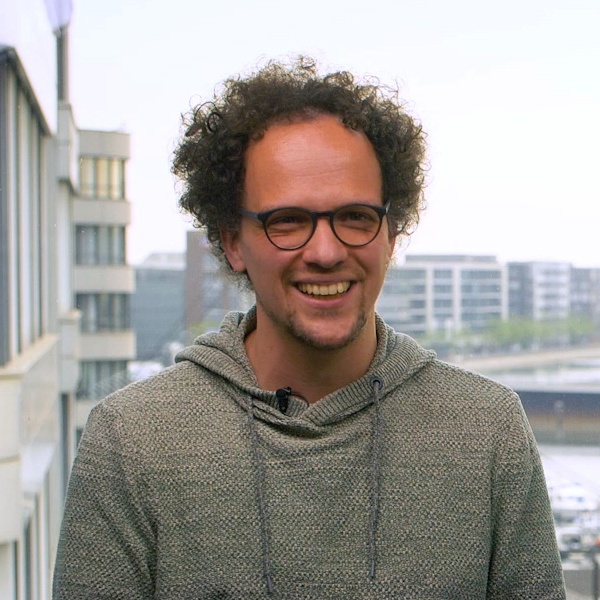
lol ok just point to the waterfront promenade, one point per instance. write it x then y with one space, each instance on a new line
522 360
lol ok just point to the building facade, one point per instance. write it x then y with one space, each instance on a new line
585 293
540 291
50 266
448 293
157 305
38 322
209 295
102 280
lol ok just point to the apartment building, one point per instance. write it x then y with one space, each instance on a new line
64 284
38 323
585 293
444 293
102 280
539 290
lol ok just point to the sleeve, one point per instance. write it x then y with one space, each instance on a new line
106 547
524 562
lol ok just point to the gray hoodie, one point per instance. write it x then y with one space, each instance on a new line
418 480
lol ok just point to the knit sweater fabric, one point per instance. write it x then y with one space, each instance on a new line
418 481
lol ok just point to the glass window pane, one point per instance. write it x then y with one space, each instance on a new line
102 177
86 176
118 245
104 312
87 304
116 178
104 250
86 237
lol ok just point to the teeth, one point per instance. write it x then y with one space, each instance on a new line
324 290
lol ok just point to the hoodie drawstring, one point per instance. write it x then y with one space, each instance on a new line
262 509
376 384
376 434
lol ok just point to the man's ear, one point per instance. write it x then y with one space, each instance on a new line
392 243
393 239
230 242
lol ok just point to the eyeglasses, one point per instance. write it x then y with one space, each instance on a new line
291 227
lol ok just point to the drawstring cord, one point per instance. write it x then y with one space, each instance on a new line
376 429
262 509
376 384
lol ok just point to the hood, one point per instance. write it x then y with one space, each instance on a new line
397 358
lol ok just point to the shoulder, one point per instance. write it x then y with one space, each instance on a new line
175 385
459 387
450 403
162 408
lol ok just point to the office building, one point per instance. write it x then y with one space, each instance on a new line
209 295
53 213
38 323
157 305
585 293
102 280
429 293
539 290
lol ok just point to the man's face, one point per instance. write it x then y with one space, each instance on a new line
317 164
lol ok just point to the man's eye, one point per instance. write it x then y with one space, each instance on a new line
284 219
357 216
288 220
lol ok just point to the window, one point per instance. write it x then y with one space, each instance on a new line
480 302
23 195
442 289
442 302
100 245
442 273
416 289
412 274
87 176
102 177
102 174
471 275
103 312
98 378
417 304
116 181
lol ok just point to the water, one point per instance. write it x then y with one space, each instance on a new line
583 373
572 465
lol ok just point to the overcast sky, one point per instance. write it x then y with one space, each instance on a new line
508 93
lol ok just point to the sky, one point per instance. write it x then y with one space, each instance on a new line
508 93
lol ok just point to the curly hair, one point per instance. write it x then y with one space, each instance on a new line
210 156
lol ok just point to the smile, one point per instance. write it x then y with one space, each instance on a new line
331 289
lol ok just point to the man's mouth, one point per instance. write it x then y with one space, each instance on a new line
331 289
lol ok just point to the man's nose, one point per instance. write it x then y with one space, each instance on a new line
324 249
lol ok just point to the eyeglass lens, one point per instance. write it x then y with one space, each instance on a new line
290 228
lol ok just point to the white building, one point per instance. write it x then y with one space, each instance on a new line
38 325
102 280
540 290
40 341
444 293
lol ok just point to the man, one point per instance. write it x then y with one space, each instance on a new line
307 450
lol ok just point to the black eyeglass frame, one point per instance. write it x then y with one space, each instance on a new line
263 217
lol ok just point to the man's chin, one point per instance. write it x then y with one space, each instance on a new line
331 340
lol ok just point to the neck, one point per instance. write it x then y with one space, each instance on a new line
280 360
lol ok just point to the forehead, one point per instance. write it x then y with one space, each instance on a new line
308 133
303 156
